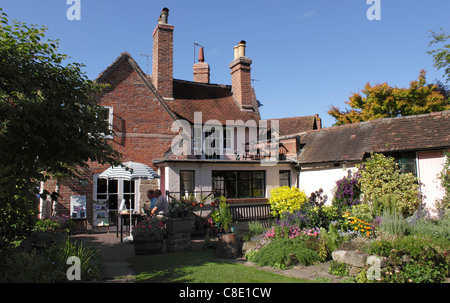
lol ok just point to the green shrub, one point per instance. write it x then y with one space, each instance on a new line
286 199
338 268
434 227
444 176
283 253
89 265
383 185
43 258
222 216
412 259
322 215
331 237
29 267
362 211
393 223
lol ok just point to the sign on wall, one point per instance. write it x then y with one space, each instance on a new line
78 207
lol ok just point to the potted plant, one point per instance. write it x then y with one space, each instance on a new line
222 216
148 236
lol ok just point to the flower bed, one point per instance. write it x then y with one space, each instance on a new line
415 249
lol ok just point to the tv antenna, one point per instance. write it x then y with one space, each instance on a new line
146 55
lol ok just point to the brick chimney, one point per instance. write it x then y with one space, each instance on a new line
241 82
162 61
201 69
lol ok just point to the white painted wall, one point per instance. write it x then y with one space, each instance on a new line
312 180
203 174
429 165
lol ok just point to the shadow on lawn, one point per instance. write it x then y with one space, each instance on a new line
176 267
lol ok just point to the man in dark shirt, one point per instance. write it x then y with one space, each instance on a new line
161 208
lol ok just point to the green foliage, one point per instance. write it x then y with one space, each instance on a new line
222 216
384 101
331 238
42 259
286 199
29 267
254 228
338 268
438 228
151 228
412 259
441 56
284 253
50 122
322 216
444 177
383 186
362 211
59 223
393 223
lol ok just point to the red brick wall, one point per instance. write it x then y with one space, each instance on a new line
142 126
201 72
241 81
162 68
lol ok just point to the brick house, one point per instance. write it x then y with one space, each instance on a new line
147 112
201 137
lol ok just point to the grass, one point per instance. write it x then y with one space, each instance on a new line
200 267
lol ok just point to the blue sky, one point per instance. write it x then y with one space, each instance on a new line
307 54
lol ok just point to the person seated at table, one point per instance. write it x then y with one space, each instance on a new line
161 208
149 206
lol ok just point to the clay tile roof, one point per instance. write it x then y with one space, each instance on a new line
352 142
214 101
295 125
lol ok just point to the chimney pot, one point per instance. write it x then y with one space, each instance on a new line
164 17
201 55
241 48
236 52
201 69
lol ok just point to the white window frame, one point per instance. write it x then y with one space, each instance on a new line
109 119
120 193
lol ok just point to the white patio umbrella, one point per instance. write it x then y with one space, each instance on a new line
129 171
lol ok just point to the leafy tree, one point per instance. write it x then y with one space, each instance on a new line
441 56
384 101
383 186
50 122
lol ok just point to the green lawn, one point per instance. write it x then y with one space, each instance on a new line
200 267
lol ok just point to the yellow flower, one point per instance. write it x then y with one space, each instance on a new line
356 228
